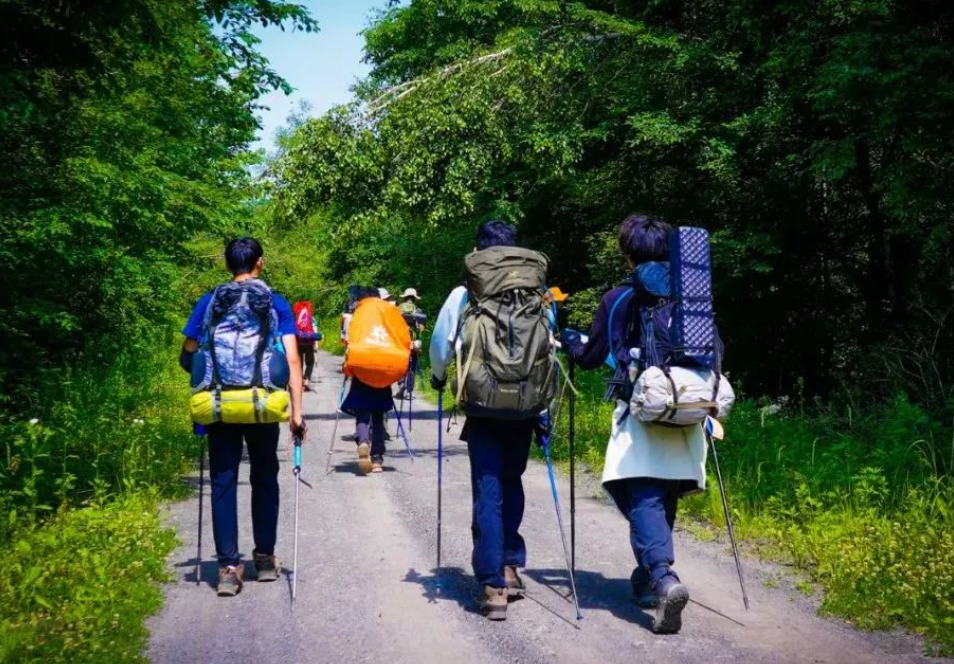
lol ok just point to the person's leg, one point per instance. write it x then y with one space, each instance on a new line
516 452
377 433
362 438
411 374
225 454
262 443
650 534
486 460
309 357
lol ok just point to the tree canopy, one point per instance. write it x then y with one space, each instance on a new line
813 139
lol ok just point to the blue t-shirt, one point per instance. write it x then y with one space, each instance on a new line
286 319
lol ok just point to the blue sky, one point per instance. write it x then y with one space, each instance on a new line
321 67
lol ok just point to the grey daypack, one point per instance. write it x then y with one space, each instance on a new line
506 362
240 344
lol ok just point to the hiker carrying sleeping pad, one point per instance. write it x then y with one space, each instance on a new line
415 319
666 381
499 327
379 347
242 353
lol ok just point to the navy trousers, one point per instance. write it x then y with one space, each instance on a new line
225 455
498 453
370 426
650 505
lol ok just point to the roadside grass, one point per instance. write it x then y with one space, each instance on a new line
78 590
81 477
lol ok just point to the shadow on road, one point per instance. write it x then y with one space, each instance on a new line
596 592
450 584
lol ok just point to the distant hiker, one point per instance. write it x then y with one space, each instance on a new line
648 465
414 318
307 335
237 322
504 381
348 311
379 346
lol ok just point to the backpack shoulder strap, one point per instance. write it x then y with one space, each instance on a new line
610 341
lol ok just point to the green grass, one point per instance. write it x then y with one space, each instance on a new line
862 503
81 476
78 589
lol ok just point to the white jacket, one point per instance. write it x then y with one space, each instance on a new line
636 449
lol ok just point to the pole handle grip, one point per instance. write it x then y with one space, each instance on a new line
297 453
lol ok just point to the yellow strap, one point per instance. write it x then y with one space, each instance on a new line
462 379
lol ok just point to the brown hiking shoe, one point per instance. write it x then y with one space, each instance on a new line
364 458
266 567
494 603
515 586
230 581
377 464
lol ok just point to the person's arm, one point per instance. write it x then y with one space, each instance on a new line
593 353
295 383
445 332
192 331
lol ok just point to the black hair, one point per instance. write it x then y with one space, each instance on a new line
241 255
643 239
496 233
367 291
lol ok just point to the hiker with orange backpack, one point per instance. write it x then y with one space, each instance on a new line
306 336
379 349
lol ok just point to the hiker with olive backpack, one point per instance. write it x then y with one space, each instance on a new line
242 355
499 328
657 332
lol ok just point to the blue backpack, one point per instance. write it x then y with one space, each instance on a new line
673 318
241 343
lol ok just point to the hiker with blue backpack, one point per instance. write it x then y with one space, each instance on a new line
657 332
241 351
500 329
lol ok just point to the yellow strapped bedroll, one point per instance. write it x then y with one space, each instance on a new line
255 405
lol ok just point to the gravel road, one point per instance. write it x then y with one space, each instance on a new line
367 589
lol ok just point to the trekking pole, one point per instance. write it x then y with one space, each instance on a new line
334 430
556 504
403 435
572 467
713 431
440 477
199 431
296 470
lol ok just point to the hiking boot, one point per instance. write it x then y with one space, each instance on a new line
230 581
672 598
494 603
364 457
266 567
643 593
515 586
377 464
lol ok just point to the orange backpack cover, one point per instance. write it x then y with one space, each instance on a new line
379 344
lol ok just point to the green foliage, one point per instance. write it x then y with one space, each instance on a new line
810 138
78 590
124 132
104 427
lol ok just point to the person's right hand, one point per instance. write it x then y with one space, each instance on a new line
438 383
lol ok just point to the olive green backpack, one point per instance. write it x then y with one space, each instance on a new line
506 362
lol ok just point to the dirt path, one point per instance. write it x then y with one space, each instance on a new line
367 589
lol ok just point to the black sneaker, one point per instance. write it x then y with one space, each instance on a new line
266 567
377 463
230 581
672 598
643 593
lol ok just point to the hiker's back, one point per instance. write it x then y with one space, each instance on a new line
506 362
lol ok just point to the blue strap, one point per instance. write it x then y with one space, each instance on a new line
611 355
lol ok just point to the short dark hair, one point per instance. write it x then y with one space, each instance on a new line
496 233
643 239
241 255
